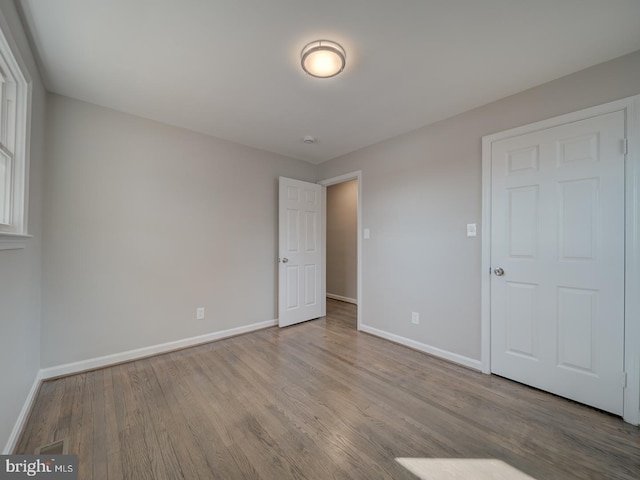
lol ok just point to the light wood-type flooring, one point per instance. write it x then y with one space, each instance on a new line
317 401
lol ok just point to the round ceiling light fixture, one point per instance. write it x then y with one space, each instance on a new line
323 58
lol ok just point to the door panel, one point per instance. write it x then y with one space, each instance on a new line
557 313
521 319
300 252
577 317
523 222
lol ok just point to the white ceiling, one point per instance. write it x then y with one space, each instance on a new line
231 68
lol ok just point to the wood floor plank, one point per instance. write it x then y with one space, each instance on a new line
316 400
98 444
110 427
49 399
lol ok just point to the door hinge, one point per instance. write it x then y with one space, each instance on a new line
625 146
623 380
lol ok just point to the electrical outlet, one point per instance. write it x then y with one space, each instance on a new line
200 313
415 318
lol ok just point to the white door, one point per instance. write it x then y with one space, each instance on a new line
300 251
557 254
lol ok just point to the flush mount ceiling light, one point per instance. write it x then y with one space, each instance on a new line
323 58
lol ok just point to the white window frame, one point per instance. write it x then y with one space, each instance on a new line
15 126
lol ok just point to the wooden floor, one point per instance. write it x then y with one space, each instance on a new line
317 401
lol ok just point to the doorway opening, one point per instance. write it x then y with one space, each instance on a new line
342 249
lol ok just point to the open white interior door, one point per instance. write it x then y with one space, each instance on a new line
300 252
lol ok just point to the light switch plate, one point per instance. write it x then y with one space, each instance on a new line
366 234
471 230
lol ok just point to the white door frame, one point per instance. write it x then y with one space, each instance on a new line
357 175
631 107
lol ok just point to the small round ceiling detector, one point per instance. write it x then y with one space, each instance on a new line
308 139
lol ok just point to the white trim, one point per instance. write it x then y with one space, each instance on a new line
323 253
13 241
632 265
341 298
116 358
21 151
357 175
631 107
485 261
341 178
107 360
423 347
23 416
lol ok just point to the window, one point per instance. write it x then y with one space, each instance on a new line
15 92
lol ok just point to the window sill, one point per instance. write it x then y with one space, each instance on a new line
13 241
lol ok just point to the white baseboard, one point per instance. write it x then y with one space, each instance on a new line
342 299
22 417
105 361
423 347
99 362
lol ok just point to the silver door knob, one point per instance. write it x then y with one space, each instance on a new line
498 271
285 260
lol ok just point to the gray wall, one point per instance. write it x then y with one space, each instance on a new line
342 239
144 222
420 190
20 270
